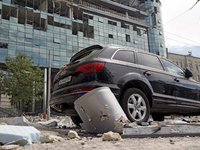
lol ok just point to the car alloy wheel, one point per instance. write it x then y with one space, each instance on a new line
136 105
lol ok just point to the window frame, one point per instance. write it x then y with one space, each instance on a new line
134 59
163 68
166 69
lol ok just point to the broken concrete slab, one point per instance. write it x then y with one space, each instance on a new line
162 130
9 133
103 113
111 136
15 121
20 121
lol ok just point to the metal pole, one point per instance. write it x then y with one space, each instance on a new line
45 91
33 105
49 87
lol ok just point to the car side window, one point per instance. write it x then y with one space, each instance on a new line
124 55
173 68
149 60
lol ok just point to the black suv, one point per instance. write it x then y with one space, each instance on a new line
142 82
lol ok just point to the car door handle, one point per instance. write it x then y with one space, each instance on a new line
147 73
176 79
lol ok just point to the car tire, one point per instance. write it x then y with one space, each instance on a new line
158 117
76 120
135 105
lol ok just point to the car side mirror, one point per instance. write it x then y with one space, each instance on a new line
188 72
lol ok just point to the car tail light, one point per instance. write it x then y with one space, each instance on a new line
90 67
81 90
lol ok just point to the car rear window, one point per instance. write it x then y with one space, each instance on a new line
84 54
149 60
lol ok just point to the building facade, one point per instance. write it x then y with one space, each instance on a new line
35 26
155 32
189 61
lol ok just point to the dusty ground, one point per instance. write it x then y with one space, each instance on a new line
94 141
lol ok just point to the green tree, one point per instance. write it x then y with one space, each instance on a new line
23 81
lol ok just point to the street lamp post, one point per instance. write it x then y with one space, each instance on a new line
49 87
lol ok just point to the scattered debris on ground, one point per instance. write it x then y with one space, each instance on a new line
111 136
46 139
56 137
103 121
73 134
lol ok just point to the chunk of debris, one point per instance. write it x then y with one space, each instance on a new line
144 123
20 142
99 135
57 138
104 112
3 123
9 147
168 122
46 139
111 136
9 133
20 121
73 134
171 141
50 123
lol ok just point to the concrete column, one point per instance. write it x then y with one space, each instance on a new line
126 14
71 12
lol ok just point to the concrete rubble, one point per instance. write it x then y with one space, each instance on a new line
19 131
111 136
163 128
73 134
9 133
46 139
20 142
19 121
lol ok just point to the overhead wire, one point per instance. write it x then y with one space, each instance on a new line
182 37
182 13
178 35
176 18
194 4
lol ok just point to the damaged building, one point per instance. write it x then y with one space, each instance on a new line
67 26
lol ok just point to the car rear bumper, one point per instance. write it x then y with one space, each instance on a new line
65 102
